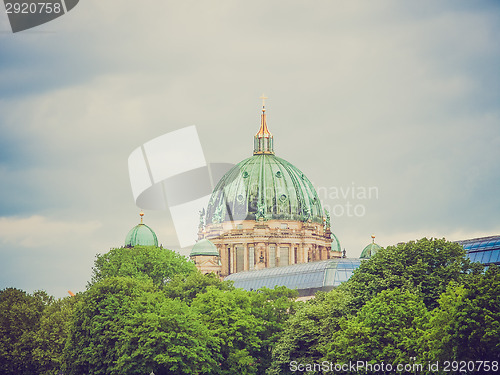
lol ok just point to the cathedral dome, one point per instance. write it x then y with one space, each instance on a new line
370 250
264 186
204 247
141 235
265 213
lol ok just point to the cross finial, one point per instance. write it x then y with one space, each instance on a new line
263 97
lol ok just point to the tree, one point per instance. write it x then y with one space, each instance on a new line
466 324
273 307
437 342
187 286
142 262
426 265
20 315
123 325
307 333
234 329
51 336
476 328
386 330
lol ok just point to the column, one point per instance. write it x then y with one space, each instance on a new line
233 259
245 257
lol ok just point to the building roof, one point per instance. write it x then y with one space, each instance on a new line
484 250
370 249
141 235
264 186
204 247
306 277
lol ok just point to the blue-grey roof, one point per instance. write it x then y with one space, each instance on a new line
484 250
313 275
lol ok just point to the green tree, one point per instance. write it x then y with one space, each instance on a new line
51 336
437 344
123 325
187 286
234 329
142 262
426 265
273 307
308 332
20 315
387 329
476 328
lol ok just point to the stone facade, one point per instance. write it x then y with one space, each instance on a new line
207 264
261 244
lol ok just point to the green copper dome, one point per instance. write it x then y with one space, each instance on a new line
204 247
335 243
264 186
141 235
370 250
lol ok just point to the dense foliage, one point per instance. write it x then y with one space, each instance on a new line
141 262
414 303
148 309
127 326
426 266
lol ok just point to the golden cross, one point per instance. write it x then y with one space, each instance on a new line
263 97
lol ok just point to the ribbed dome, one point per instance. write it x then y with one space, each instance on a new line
264 186
335 243
142 235
204 247
370 250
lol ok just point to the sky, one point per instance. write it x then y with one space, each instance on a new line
390 108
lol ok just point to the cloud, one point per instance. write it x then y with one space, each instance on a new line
390 94
39 231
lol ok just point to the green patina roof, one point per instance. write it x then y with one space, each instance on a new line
142 235
204 247
335 243
369 250
264 186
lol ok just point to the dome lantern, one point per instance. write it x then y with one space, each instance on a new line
263 140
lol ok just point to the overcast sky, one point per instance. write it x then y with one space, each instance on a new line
400 97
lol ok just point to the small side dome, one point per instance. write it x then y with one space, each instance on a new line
204 247
335 243
370 250
141 235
